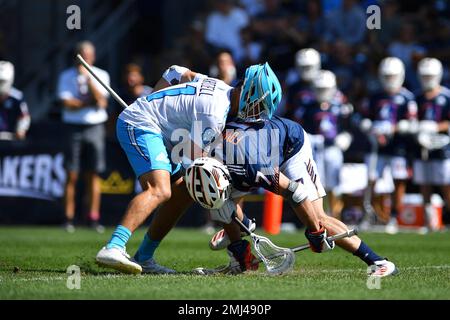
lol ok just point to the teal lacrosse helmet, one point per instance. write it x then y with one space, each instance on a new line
260 94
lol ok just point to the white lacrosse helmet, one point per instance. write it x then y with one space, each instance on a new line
308 63
430 73
391 73
324 86
208 182
6 77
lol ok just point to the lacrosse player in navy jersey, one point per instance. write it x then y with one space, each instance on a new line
389 114
326 120
300 92
432 167
276 155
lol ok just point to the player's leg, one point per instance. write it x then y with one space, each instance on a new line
239 250
334 160
165 219
95 139
94 196
72 164
69 199
423 177
380 266
399 168
149 159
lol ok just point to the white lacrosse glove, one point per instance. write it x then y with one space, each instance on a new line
383 128
343 140
365 125
225 213
403 126
428 126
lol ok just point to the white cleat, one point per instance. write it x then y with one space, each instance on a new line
117 259
220 240
383 268
151 267
392 226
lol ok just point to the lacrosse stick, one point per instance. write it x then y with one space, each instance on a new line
277 260
432 141
370 213
104 85
226 269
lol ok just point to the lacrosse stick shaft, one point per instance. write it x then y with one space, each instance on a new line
104 85
347 234
243 226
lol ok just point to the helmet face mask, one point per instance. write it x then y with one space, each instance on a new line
208 182
391 73
260 94
430 73
308 64
6 77
324 86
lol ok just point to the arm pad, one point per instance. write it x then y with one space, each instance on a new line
173 74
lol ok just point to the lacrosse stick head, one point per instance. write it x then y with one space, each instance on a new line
433 141
277 260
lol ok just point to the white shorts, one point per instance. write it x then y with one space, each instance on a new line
432 172
398 166
302 167
329 164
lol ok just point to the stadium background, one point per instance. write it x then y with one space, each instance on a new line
157 34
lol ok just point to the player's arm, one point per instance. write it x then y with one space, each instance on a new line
23 123
176 75
295 193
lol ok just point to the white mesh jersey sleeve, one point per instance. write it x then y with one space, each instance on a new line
179 109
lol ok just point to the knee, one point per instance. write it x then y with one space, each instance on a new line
162 193
72 178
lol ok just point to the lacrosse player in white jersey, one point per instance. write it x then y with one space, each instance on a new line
432 164
195 109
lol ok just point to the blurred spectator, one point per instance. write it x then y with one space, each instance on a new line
223 27
195 49
14 116
344 65
390 23
252 48
409 51
224 68
274 28
347 23
85 102
253 7
311 25
134 84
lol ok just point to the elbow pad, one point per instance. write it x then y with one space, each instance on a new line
173 74
297 192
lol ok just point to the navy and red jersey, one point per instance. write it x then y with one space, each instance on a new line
383 108
300 95
12 110
254 152
326 119
436 109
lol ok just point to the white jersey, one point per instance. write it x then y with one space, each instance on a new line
184 106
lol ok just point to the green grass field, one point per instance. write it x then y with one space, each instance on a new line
33 263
